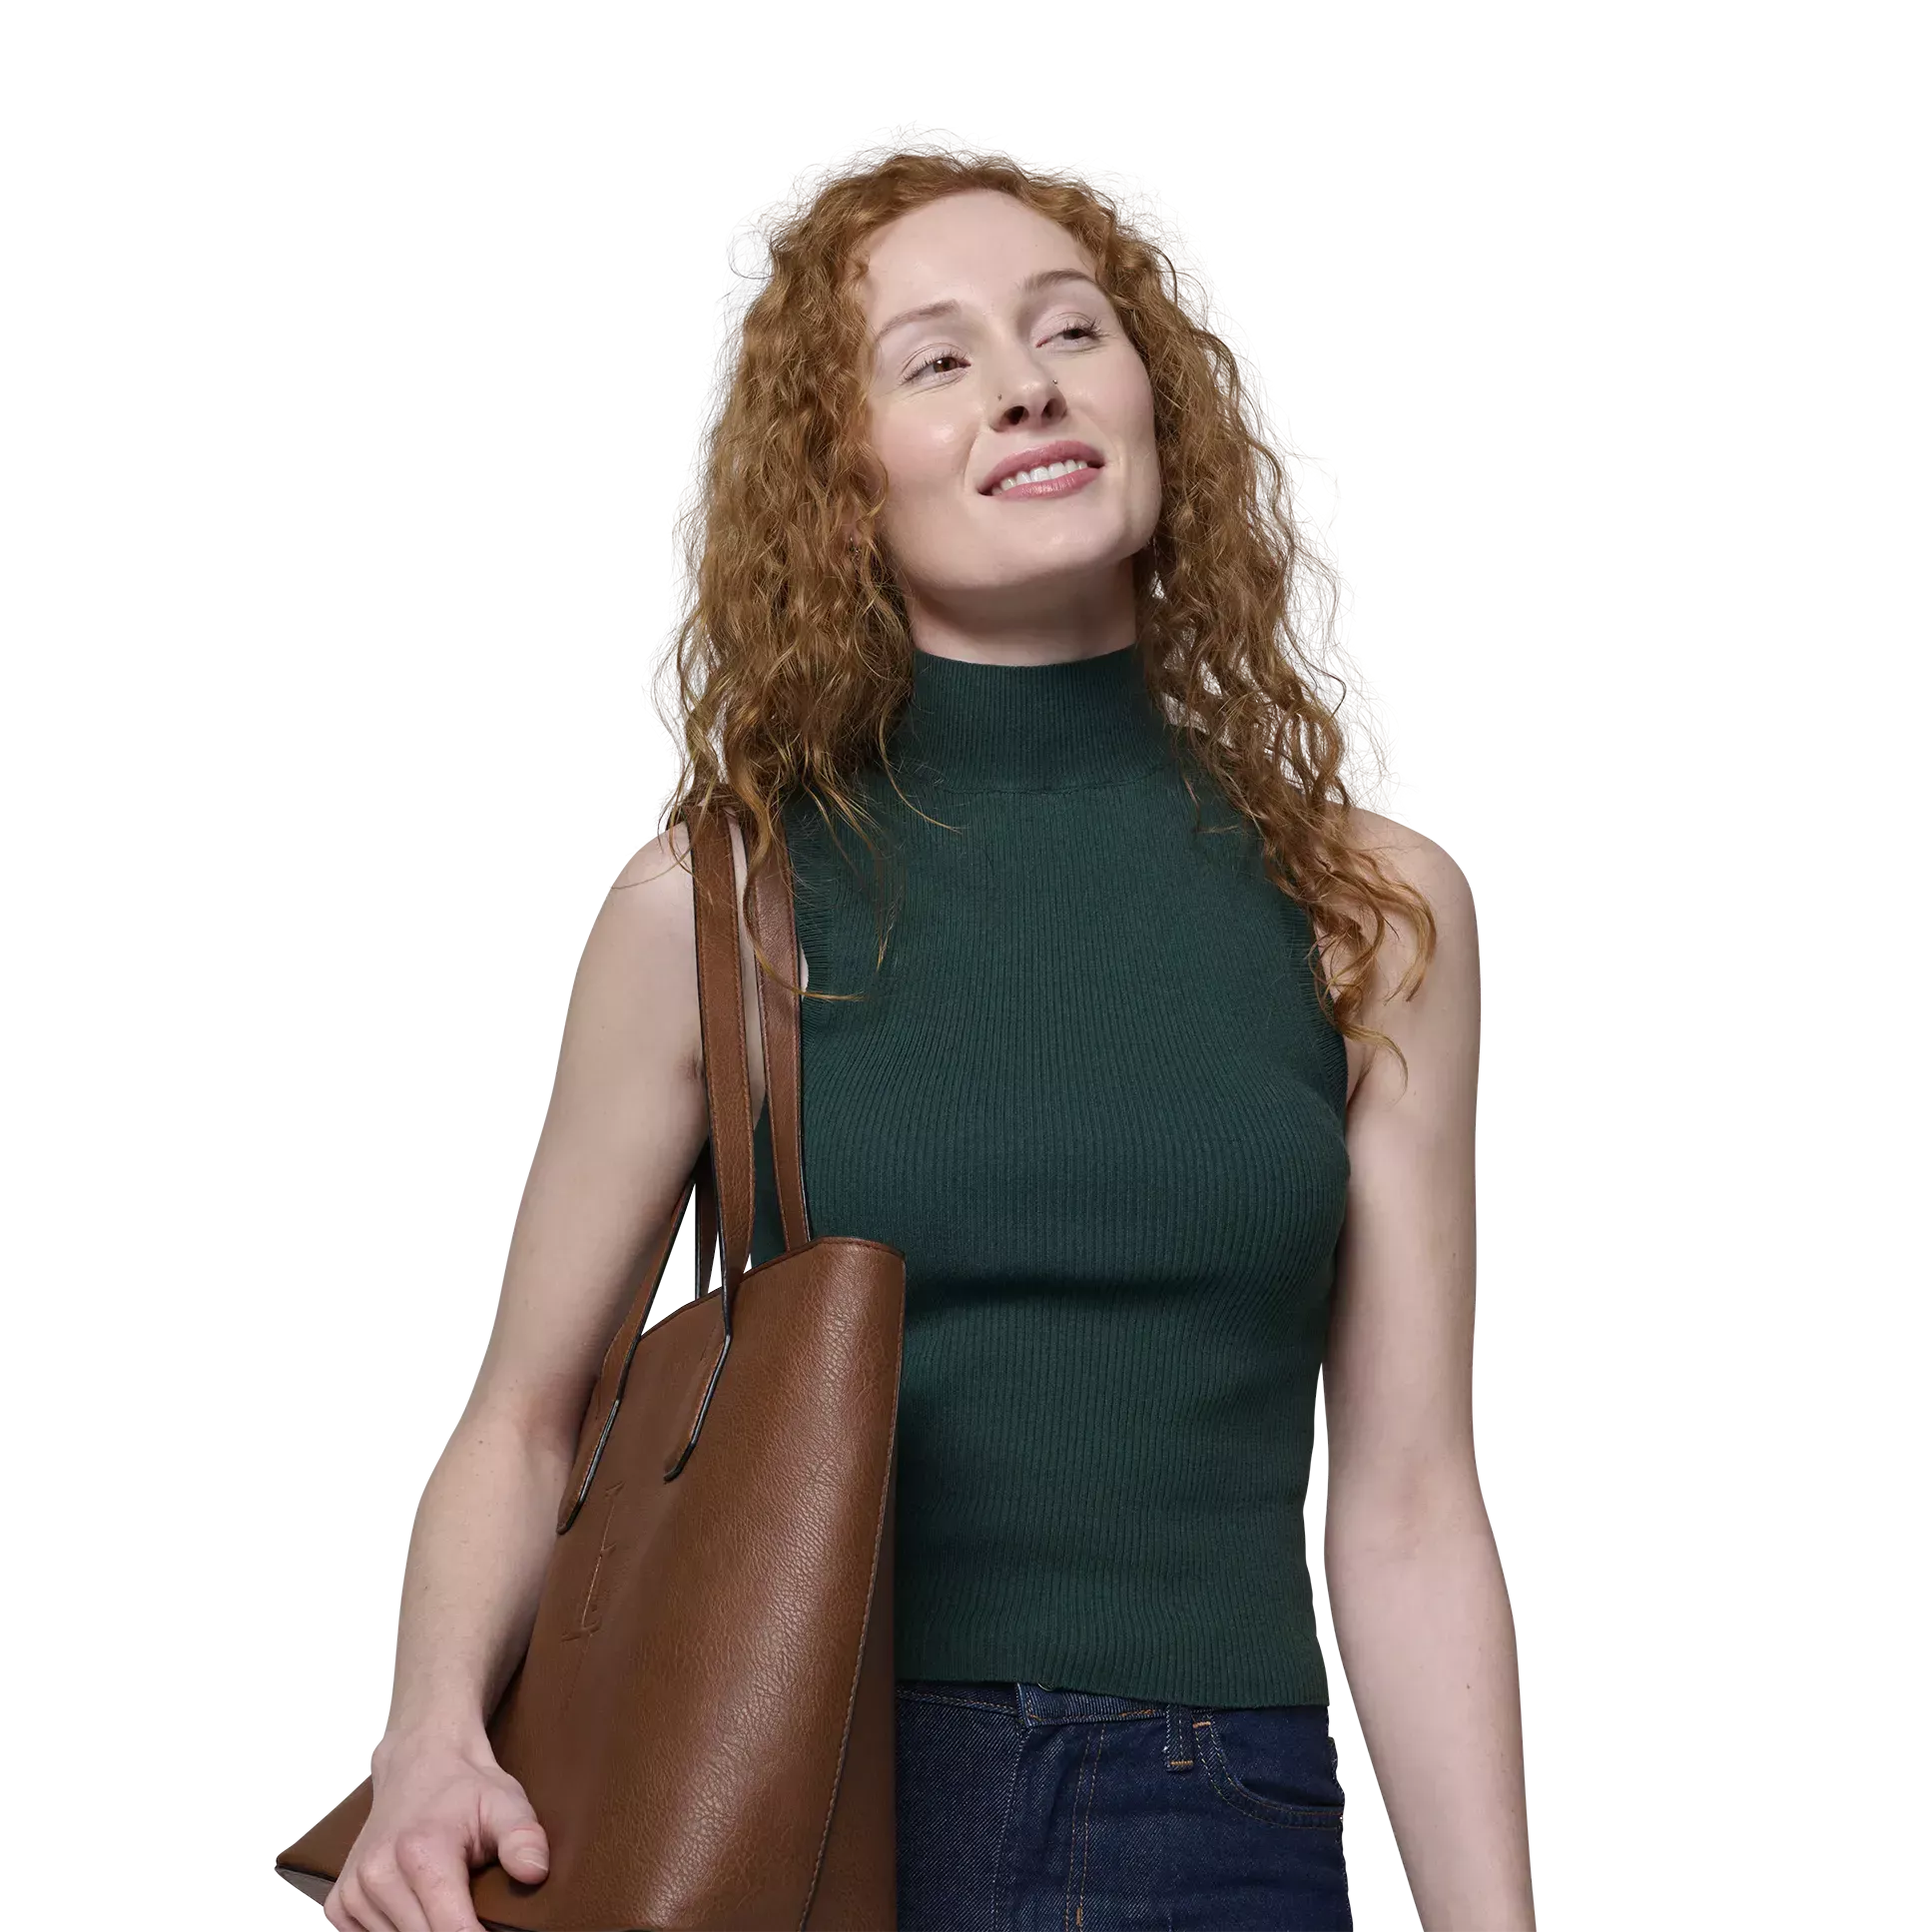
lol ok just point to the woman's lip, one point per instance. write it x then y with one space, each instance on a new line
1063 485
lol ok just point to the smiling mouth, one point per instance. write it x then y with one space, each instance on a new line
1046 479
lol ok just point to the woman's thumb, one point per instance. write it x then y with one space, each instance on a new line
521 1848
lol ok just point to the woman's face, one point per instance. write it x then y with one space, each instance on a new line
1026 353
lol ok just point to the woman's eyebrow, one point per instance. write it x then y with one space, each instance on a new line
1039 278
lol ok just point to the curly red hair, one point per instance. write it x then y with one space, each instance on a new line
794 657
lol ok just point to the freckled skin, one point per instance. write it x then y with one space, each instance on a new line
1021 581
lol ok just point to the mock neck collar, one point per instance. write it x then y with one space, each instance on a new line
1067 726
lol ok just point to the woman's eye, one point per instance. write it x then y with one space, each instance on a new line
954 355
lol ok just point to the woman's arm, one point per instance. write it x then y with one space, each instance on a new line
625 1122
1422 1614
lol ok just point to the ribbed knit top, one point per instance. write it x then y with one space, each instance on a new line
1092 1098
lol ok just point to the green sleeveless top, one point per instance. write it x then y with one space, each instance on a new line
1094 1098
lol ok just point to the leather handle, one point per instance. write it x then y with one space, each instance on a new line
727 1063
774 926
727 1070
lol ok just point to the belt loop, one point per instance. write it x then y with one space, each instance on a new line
1180 1738
1023 1710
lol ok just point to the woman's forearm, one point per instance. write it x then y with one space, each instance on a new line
1423 1623
483 1534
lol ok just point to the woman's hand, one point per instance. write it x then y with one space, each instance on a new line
440 1811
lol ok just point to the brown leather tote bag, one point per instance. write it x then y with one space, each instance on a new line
704 1718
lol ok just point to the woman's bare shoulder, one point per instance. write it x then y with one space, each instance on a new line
637 983
657 880
1371 829
1411 856
653 862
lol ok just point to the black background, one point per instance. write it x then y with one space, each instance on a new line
1631 417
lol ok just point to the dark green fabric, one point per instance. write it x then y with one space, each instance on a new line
1093 1099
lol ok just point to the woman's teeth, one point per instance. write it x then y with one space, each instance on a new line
1040 475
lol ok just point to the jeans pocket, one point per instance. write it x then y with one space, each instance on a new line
1273 1762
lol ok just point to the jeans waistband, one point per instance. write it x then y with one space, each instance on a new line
1038 1703
1028 1704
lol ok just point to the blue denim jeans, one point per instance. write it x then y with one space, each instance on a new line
1027 1809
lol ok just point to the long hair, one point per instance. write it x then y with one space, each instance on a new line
794 657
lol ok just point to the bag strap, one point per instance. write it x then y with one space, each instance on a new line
726 1170
775 926
724 1175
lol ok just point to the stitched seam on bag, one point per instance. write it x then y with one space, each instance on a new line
864 1637
585 1626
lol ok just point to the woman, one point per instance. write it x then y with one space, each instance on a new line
1153 1055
